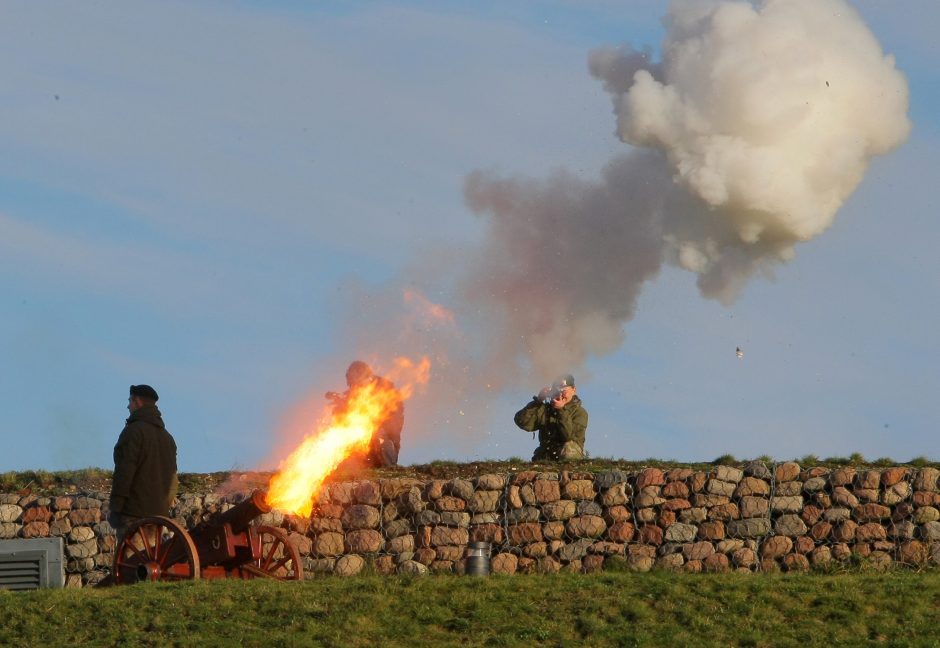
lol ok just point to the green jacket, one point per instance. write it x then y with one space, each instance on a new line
555 426
144 479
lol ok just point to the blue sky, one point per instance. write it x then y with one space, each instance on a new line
190 193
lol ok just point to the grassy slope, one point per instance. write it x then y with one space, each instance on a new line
661 609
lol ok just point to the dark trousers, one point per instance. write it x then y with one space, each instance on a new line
119 523
383 452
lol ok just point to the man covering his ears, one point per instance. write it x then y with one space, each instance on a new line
556 412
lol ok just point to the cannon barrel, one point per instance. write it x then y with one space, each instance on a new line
241 515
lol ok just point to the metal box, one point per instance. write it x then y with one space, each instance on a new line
31 563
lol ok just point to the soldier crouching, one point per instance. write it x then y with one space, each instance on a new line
560 419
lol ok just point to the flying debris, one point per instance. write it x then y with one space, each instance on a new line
738 352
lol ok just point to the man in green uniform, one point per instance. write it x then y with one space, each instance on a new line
560 419
145 481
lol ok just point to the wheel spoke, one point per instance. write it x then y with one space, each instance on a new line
137 553
281 563
270 555
167 548
145 541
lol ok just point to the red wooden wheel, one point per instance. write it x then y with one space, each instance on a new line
155 548
279 557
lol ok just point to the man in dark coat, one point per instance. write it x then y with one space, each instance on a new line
144 482
560 419
386 442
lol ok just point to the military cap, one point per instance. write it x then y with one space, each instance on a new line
145 391
564 381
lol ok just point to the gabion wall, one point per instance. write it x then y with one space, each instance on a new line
755 518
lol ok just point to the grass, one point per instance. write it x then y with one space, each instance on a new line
90 479
98 479
45 480
607 609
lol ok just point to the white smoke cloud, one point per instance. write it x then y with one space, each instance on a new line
769 113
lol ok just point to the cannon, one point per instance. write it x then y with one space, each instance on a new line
225 546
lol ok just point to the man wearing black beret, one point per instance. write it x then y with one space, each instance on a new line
144 482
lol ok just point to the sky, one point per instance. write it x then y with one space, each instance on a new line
230 201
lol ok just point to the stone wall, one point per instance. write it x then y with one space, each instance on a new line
89 542
755 517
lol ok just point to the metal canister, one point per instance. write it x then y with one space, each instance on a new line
478 559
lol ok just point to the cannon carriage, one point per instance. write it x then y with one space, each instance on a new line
225 546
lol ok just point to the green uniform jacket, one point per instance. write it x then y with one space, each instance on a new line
144 466
556 426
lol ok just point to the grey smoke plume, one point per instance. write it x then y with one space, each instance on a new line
565 260
755 127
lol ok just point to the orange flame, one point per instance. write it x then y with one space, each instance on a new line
430 311
300 477
420 373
